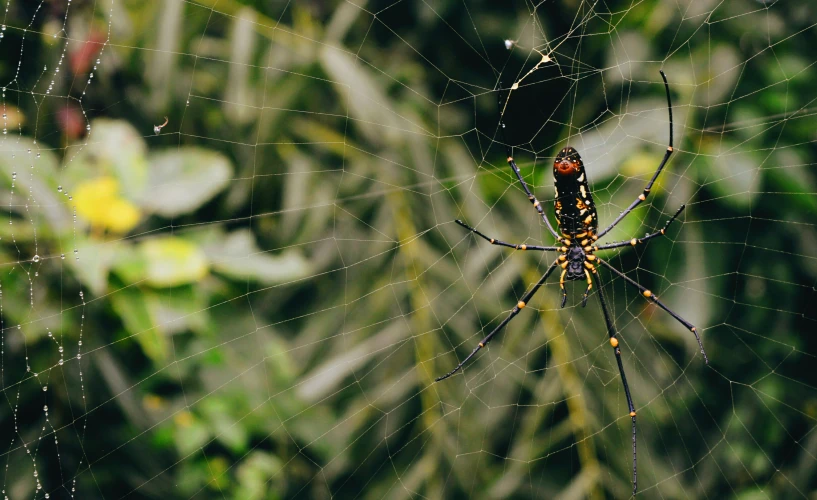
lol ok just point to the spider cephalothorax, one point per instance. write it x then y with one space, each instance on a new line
577 220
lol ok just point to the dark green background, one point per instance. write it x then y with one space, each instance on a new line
272 326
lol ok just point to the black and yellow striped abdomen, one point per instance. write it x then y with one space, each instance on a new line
575 210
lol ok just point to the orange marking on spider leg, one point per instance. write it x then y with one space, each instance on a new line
632 414
613 341
524 247
481 345
520 304
633 242
647 293
642 197
510 159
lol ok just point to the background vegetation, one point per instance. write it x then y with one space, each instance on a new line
254 303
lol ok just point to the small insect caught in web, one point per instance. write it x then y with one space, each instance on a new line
158 128
509 44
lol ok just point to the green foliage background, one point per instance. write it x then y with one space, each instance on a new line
270 324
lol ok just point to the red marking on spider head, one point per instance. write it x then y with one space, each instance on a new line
568 162
566 167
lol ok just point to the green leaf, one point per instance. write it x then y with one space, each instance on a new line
116 148
37 182
131 307
185 309
255 473
129 264
223 425
181 180
191 433
238 257
172 261
93 261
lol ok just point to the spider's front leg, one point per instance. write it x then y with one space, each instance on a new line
516 246
637 241
643 196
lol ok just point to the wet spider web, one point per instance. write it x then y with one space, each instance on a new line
254 300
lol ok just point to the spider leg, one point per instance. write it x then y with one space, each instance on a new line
518 307
646 192
589 286
516 246
562 286
611 331
648 294
512 163
636 241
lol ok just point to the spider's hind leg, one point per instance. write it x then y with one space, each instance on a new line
611 332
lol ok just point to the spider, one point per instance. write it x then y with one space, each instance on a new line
578 223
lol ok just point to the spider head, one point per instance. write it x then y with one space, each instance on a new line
567 163
575 263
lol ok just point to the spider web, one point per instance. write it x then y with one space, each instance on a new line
254 301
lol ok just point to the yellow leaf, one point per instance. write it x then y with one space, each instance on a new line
173 261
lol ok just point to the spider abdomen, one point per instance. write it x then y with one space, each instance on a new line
575 210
